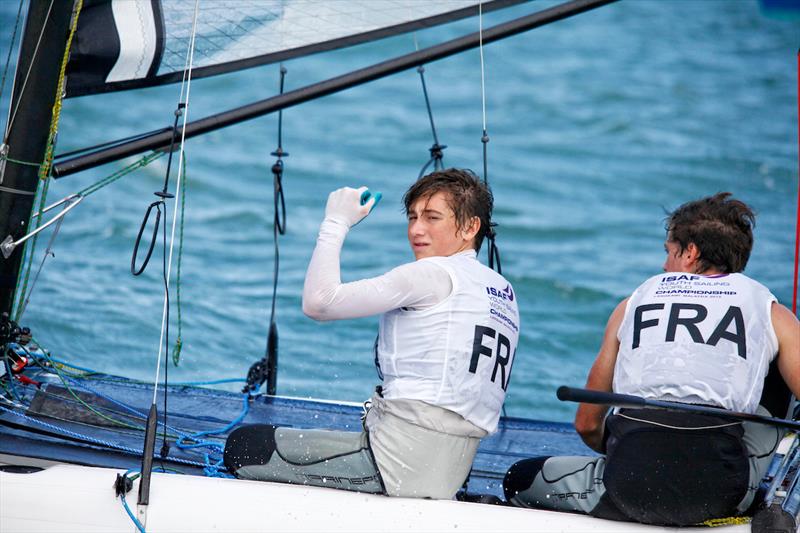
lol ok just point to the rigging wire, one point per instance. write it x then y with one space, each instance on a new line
436 149
13 114
11 48
47 253
278 228
266 368
3 145
797 228
493 252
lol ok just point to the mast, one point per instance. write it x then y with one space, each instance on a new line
41 53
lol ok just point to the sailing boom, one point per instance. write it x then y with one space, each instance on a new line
161 139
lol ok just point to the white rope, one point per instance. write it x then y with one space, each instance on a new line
678 427
480 48
187 81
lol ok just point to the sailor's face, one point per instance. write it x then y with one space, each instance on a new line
433 230
675 257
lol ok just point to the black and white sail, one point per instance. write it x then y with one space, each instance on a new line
125 44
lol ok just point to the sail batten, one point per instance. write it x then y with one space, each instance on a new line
126 44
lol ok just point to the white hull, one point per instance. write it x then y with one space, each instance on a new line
80 499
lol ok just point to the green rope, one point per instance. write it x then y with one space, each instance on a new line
82 402
143 162
176 352
27 264
19 162
60 371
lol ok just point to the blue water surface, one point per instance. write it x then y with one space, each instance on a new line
598 124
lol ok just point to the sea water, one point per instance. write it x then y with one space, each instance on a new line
598 126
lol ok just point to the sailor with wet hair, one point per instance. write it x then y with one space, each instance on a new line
448 336
700 333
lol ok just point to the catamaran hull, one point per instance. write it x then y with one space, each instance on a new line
70 498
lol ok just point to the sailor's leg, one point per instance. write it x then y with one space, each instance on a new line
336 459
573 484
417 462
761 442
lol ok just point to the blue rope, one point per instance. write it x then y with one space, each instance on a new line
136 522
183 435
92 439
47 356
213 467
213 382
128 408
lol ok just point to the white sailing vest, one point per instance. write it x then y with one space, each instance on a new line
697 339
458 354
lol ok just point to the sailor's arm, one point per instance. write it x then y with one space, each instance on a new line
342 211
419 284
590 418
787 329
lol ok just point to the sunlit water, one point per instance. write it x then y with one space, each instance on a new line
597 125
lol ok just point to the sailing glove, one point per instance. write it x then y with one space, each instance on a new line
344 206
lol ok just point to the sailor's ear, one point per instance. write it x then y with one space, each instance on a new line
471 228
691 255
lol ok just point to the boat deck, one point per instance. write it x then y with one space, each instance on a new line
54 423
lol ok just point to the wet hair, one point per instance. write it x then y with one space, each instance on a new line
720 227
465 194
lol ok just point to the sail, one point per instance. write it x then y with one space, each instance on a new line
125 44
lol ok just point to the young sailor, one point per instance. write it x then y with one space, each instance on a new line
701 333
447 339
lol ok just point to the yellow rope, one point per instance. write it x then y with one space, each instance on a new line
729 521
44 169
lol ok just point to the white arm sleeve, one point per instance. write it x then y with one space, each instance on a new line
419 285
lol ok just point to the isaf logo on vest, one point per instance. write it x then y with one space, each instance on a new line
505 294
688 316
